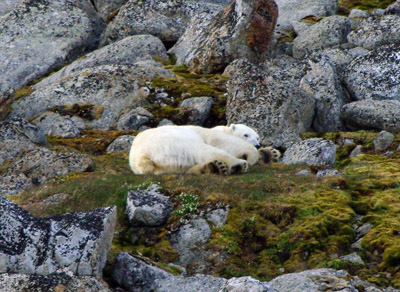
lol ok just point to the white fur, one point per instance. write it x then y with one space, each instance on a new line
180 149
241 131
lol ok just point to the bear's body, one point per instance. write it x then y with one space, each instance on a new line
190 149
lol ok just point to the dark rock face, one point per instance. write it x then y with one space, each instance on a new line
242 30
77 243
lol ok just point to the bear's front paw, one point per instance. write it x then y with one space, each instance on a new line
241 167
218 167
269 154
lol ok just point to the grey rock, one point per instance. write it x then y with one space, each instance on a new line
353 258
55 199
218 217
128 52
106 7
54 124
323 84
196 283
18 136
6 99
50 283
357 245
315 151
276 108
372 115
122 143
363 230
393 9
165 122
304 172
356 151
328 32
357 13
383 140
75 243
200 106
328 172
242 30
147 208
376 31
299 26
375 75
8 5
38 166
245 284
36 37
134 119
313 281
166 20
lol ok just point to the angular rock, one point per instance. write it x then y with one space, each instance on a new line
356 151
122 143
304 172
375 75
372 115
38 36
200 109
328 32
38 166
164 19
134 119
323 84
125 52
147 208
363 230
54 124
197 283
376 31
245 284
218 217
394 8
315 151
8 5
106 7
18 136
353 258
242 30
277 109
383 140
328 172
76 243
55 199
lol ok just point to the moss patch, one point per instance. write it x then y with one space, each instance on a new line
345 6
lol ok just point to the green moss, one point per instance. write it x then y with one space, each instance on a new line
345 6
24 91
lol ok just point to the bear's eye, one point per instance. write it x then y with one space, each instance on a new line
246 135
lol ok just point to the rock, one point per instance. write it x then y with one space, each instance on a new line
357 245
353 258
50 283
383 140
328 32
303 9
18 136
134 119
106 8
356 151
128 52
197 283
55 199
187 241
323 84
8 5
328 172
166 20
315 151
6 99
245 284
242 30
38 166
376 31
304 172
200 109
375 75
358 13
313 281
53 124
113 89
165 122
218 217
393 9
147 208
277 109
38 36
363 230
122 143
76 243
372 115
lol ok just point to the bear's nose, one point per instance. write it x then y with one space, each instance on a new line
258 146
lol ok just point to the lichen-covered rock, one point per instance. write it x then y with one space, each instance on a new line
278 109
8 5
125 52
376 31
37 36
242 30
106 7
18 136
328 32
76 243
383 140
328 172
323 84
164 19
51 283
38 166
315 151
122 143
394 8
375 75
372 115
200 109
115 88
353 258
54 124
147 208
218 216
245 284
134 119
197 283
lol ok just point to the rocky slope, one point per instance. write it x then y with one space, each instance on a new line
317 79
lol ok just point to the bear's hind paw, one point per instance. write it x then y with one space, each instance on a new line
241 167
218 167
269 154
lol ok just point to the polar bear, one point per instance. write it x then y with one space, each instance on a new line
190 149
241 131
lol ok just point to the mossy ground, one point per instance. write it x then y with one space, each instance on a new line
345 6
278 222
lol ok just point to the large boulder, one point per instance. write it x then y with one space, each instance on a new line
326 33
8 5
54 124
372 115
164 19
76 243
39 36
199 108
375 75
242 30
278 109
107 8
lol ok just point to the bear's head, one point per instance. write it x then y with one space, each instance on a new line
246 133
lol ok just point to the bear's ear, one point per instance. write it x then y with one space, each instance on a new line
233 127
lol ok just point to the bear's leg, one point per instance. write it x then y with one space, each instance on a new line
146 165
269 154
216 166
